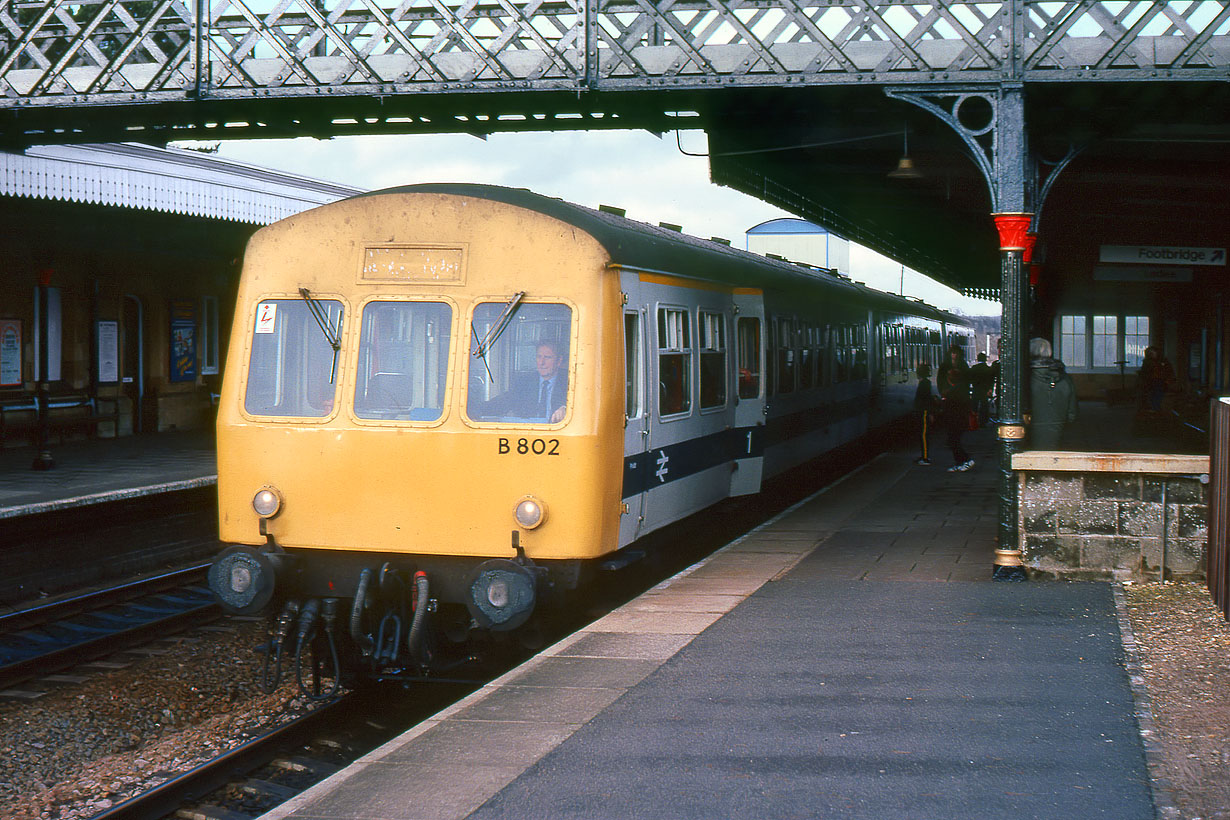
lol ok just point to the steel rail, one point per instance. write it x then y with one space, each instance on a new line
61 608
55 643
169 796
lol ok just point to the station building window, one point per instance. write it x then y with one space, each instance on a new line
209 335
1101 343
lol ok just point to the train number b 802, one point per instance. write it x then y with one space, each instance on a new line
529 446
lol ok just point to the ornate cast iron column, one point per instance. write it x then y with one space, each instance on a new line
999 147
1013 241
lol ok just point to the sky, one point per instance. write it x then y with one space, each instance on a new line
654 179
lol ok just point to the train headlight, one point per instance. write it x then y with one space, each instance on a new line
243 578
500 594
267 502
530 512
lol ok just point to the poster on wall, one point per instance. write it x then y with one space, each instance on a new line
108 352
10 352
183 340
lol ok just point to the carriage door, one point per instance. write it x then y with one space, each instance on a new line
750 407
636 424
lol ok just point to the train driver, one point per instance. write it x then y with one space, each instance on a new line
542 395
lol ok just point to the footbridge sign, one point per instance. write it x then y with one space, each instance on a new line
1162 255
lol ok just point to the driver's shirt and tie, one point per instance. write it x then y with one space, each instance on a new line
545 391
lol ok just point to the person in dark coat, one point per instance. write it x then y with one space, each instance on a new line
925 404
955 408
1052 397
1156 378
982 384
955 360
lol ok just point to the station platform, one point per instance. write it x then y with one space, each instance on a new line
850 658
94 471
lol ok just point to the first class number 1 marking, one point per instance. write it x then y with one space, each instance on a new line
529 446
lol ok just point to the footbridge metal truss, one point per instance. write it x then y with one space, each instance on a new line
189 55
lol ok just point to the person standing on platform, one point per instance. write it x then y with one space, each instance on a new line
925 403
1156 379
1052 397
955 360
982 382
955 410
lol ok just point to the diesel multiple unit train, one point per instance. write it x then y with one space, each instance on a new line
445 406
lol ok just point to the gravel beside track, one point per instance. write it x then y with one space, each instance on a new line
1184 652
84 747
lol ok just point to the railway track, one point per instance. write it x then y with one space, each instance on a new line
269 769
51 637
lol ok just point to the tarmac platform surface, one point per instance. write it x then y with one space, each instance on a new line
849 659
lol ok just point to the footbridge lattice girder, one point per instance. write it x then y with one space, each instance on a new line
62 53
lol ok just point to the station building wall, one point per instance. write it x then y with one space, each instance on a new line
141 278
1094 323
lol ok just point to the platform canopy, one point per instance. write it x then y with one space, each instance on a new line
1149 167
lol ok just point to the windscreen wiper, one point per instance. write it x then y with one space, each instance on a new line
498 327
332 335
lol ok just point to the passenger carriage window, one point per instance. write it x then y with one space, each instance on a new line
519 362
841 345
859 353
674 362
807 358
634 371
823 363
712 360
293 368
785 356
403 360
748 342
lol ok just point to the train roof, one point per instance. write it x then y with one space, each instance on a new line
640 245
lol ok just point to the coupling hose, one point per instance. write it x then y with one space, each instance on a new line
414 638
361 640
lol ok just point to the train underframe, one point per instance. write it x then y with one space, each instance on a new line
339 618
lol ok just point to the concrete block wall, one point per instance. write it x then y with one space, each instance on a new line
1100 515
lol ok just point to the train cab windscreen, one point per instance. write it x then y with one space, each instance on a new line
519 363
403 360
293 367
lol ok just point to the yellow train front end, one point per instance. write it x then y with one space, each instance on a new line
415 419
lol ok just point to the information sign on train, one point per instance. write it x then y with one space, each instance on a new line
1162 255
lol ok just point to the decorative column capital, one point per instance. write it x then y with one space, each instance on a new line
1014 231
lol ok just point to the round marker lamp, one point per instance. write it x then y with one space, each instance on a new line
267 502
530 512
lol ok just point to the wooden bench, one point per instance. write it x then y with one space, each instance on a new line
66 413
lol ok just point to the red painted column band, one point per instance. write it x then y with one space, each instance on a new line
1013 230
